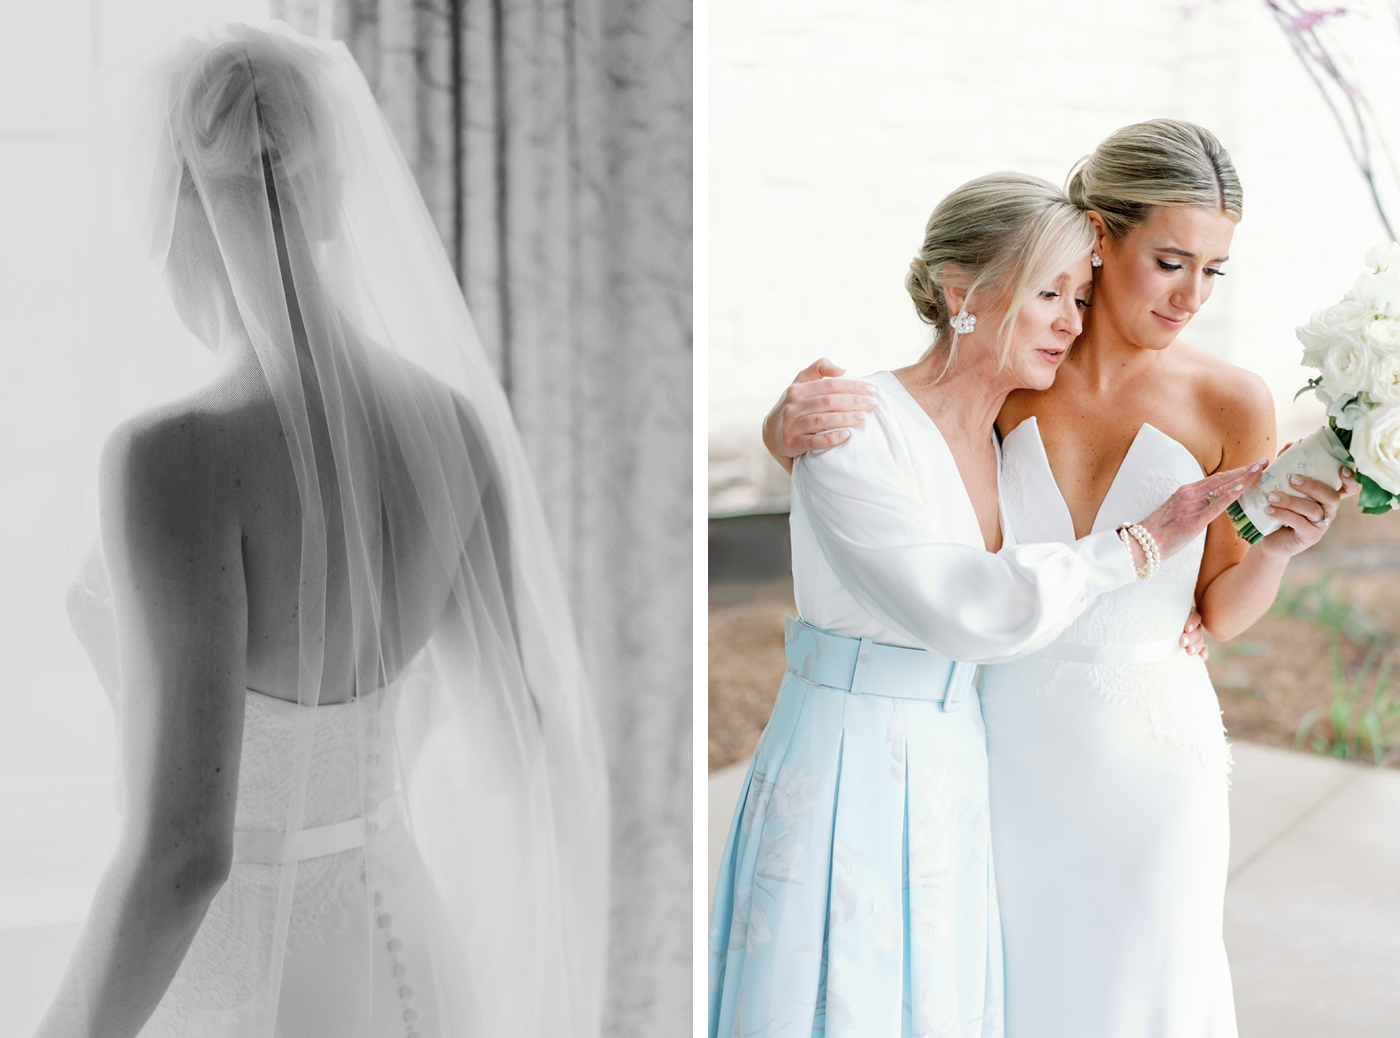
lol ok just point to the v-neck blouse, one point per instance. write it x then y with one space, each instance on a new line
886 545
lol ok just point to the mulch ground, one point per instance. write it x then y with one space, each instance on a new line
1268 679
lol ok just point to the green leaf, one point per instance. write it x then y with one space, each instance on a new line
1375 499
1344 435
1313 383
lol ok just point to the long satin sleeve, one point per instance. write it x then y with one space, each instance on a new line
893 552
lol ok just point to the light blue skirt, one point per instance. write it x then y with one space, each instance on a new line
856 895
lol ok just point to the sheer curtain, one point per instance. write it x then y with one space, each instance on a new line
552 141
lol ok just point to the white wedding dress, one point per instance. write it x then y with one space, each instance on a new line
361 892
1108 774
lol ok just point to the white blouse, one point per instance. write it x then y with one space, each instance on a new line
886 545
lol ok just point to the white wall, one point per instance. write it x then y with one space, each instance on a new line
836 126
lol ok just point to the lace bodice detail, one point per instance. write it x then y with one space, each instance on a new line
1174 694
349 737
351 772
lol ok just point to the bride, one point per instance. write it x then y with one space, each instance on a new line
855 892
363 788
1106 756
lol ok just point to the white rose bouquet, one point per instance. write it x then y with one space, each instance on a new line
1355 347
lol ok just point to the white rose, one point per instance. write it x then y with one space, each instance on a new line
1385 389
1380 292
1347 319
1384 335
1383 257
1375 444
1348 367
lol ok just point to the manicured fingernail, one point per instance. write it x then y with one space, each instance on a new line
1296 480
860 416
844 434
1238 486
1256 466
1274 498
1269 510
1347 472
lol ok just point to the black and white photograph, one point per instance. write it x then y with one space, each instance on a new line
347 541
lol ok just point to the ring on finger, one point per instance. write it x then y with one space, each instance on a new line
1323 522
1212 497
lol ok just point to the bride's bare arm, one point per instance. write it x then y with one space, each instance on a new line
1237 583
173 549
817 410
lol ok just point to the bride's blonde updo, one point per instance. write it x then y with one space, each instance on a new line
999 238
1159 162
249 106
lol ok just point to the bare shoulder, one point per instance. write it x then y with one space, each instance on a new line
1233 401
1223 387
164 468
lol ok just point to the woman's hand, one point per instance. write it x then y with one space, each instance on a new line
1305 519
1185 515
817 410
1193 637
90 614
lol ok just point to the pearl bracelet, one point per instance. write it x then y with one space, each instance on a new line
1149 549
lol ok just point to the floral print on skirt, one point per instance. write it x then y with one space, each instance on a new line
855 895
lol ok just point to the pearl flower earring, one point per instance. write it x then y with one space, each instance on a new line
963 323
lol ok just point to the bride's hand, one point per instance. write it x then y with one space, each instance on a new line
817 410
1193 637
89 603
1185 514
1305 519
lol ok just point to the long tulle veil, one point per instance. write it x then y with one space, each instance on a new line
397 425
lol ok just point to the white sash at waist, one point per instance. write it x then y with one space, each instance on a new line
1142 652
267 846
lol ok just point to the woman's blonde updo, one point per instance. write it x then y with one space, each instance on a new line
999 238
1159 162
248 109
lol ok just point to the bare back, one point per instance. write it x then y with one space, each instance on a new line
245 464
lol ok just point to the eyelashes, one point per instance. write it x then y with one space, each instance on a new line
1083 304
1214 272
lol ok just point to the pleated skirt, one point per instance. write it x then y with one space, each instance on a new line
855 895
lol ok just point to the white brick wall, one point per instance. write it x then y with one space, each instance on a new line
835 126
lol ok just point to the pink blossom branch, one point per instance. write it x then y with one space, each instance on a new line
1353 114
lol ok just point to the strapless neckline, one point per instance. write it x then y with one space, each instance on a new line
1043 490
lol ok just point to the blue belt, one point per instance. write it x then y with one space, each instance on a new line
864 667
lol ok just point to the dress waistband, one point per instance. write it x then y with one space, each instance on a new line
1142 652
865 667
271 847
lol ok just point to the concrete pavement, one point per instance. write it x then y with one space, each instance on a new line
1312 908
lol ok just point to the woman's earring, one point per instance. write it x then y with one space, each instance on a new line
963 323
1095 260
